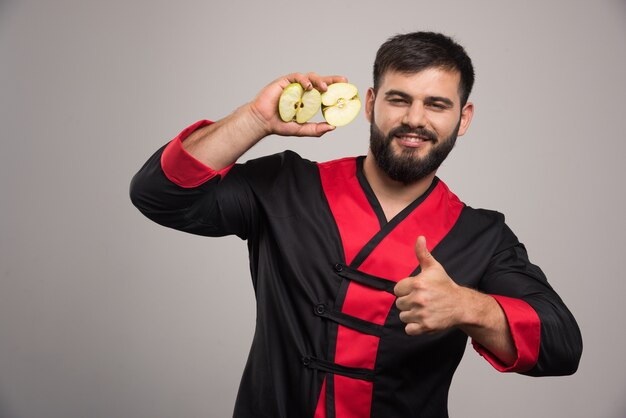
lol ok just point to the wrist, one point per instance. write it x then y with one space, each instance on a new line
473 307
253 121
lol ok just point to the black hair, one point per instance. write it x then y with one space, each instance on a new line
417 51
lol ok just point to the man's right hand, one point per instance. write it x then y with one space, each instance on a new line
265 105
222 143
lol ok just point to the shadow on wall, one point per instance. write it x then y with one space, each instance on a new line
5 6
5 410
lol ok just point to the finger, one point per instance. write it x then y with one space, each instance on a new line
313 129
408 317
331 79
318 82
403 287
404 304
415 328
423 255
311 80
301 78
285 80
322 82
322 128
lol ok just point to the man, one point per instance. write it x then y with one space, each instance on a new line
369 272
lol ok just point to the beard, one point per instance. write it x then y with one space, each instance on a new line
406 167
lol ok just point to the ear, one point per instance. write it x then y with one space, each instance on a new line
369 104
466 117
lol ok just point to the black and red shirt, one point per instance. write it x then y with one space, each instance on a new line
324 260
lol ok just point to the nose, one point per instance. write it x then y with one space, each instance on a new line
415 115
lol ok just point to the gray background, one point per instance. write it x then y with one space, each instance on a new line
105 314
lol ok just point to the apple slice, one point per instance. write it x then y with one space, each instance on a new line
340 104
297 104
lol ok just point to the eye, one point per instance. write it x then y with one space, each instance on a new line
438 106
397 100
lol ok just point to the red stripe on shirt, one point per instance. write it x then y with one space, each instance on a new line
349 205
394 259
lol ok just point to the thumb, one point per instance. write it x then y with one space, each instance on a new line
423 255
311 129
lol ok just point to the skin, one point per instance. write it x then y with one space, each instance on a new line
430 301
428 99
222 143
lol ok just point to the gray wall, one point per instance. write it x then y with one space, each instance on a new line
105 314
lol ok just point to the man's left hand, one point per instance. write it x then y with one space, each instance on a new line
430 301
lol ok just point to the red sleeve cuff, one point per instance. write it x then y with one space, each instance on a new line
182 168
526 331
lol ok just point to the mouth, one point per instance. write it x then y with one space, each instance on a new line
412 140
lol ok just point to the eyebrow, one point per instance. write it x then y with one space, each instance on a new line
430 99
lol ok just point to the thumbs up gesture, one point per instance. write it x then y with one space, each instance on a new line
430 301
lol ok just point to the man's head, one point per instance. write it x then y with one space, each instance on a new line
418 104
413 52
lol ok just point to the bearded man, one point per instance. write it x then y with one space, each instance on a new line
369 273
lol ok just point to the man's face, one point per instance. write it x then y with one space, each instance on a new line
415 119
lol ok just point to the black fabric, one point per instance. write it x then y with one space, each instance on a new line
277 204
347 320
354 275
369 193
353 372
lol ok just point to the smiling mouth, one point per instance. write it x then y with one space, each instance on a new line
412 140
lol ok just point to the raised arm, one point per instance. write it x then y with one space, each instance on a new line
178 186
222 143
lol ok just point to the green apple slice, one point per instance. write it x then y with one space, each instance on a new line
309 105
288 102
340 104
297 104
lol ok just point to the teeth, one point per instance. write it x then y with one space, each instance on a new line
411 138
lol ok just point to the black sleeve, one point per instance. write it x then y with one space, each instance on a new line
220 206
510 273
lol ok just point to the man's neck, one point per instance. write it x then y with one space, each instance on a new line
393 195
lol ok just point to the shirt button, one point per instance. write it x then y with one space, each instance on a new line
338 267
306 361
320 309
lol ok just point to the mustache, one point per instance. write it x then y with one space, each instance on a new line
405 129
